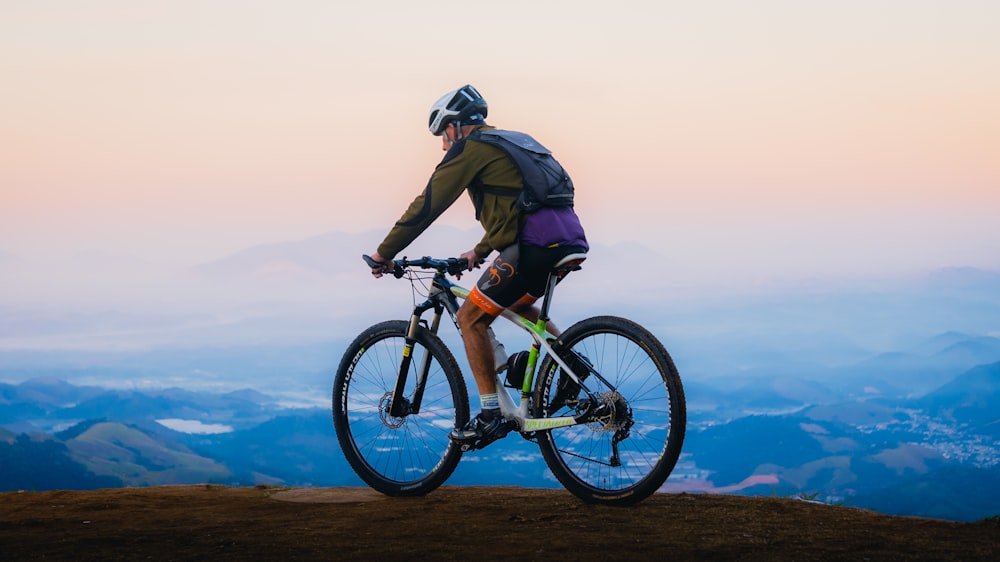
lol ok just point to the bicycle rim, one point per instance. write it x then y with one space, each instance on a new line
399 456
637 378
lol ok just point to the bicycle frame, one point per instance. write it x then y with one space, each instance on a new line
613 444
443 296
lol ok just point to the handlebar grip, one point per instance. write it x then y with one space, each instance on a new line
458 266
397 270
454 266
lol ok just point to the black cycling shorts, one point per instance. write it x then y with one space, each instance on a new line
519 272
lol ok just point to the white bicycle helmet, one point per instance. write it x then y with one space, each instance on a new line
463 104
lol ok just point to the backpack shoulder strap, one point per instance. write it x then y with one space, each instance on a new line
510 139
545 181
494 138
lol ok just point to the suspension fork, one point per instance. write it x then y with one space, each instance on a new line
399 406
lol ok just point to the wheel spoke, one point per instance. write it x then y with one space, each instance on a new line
626 454
408 455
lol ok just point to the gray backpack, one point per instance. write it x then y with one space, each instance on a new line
546 183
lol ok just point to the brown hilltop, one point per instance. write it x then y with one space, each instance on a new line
460 523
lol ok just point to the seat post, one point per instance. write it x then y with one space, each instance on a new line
550 287
559 270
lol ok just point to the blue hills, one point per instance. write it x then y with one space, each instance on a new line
894 456
932 456
972 399
851 395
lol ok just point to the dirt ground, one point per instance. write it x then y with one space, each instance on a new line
460 523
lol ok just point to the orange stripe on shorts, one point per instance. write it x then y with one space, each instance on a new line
485 303
526 300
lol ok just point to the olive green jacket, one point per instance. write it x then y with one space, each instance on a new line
467 166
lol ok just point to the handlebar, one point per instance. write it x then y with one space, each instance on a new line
451 266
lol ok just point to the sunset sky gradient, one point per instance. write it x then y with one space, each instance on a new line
757 139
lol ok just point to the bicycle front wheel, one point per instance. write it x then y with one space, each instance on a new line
627 452
398 456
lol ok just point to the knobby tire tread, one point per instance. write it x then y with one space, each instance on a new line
386 371
559 454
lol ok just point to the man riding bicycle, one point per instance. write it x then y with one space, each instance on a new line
529 244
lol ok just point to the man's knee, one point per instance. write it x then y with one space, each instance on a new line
471 316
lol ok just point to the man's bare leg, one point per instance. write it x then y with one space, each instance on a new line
490 424
531 312
473 322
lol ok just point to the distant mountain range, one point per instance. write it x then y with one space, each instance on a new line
115 438
964 279
340 252
856 452
937 455
326 253
307 290
877 393
972 399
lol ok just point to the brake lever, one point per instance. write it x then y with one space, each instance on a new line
460 266
397 271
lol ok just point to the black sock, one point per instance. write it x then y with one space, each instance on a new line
488 414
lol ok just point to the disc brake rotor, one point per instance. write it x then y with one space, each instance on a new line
615 413
389 421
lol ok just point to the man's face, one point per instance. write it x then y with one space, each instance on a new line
448 137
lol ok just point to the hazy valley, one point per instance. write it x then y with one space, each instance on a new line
876 393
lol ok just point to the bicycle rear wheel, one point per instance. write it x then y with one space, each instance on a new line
628 452
398 456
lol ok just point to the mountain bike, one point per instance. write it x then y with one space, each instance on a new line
605 404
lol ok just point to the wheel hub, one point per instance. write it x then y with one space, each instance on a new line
613 413
388 420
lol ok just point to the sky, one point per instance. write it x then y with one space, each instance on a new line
736 140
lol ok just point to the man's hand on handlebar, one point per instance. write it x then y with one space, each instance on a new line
454 266
380 266
474 260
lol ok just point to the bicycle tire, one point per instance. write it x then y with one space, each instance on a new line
411 455
649 392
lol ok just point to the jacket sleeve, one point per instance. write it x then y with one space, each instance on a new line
483 248
446 185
